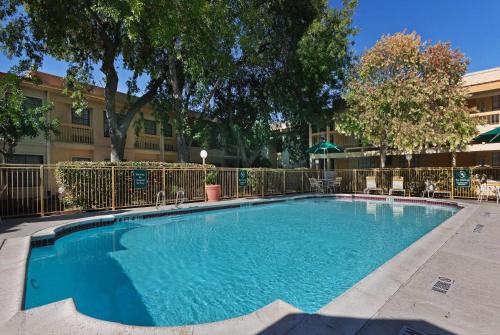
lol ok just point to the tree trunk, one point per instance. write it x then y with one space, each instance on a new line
179 111
383 155
118 140
117 136
454 159
182 149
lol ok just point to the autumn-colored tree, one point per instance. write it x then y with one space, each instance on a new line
407 95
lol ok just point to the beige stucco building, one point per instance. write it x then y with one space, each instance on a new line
484 89
85 136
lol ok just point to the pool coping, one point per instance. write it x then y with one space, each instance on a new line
357 305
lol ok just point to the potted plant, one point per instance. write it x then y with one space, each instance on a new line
211 187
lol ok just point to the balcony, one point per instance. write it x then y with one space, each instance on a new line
169 146
75 133
148 142
488 118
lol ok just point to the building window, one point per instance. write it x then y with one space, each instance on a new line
31 102
105 122
168 130
482 106
495 159
25 159
82 118
496 102
149 127
81 159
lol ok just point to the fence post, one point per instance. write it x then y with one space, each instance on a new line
284 181
41 188
263 188
355 188
113 203
237 183
452 183
302 181
163 181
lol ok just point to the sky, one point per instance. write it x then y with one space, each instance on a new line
470 26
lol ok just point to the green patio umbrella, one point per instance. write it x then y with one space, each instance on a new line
324 147
491 136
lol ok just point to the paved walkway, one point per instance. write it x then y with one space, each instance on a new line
454 291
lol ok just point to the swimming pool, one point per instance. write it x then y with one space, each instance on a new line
209 266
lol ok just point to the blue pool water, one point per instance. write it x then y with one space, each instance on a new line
215 265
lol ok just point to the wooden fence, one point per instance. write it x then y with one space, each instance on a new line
33 190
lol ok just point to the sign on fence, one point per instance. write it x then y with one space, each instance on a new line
140 179
243 178
462 178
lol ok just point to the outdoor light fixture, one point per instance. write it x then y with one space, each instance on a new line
408 158
203 155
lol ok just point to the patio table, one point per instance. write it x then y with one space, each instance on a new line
328 183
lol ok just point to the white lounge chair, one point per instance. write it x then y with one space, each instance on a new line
397 185
371 185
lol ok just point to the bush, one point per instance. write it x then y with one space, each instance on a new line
211 178
88 185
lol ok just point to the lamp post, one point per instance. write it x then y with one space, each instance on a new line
203 155
408 158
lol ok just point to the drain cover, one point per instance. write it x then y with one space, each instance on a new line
442 285
410 331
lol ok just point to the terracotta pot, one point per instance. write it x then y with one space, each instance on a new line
213 192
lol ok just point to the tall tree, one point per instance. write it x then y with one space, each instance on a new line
406 95
89 34
298 79
19 118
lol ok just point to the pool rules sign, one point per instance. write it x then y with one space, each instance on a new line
140 179
242 178
462 177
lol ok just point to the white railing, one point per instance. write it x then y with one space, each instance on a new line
488 118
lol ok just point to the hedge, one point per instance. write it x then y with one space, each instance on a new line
88 185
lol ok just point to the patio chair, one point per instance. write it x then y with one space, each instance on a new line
397 185
429 188
329 175
316 185
371 185
333 184
487 187
337 183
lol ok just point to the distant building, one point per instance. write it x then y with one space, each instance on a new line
85 136
484 89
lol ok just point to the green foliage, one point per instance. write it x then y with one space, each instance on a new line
89 35
18 119
240 62
296 142
73 178
407 95
211 177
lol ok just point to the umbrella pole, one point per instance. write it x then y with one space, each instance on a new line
324 163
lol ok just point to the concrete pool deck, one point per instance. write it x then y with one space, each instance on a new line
444 283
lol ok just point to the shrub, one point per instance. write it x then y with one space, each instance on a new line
88 185
211 178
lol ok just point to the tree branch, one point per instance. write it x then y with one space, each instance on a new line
143 100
